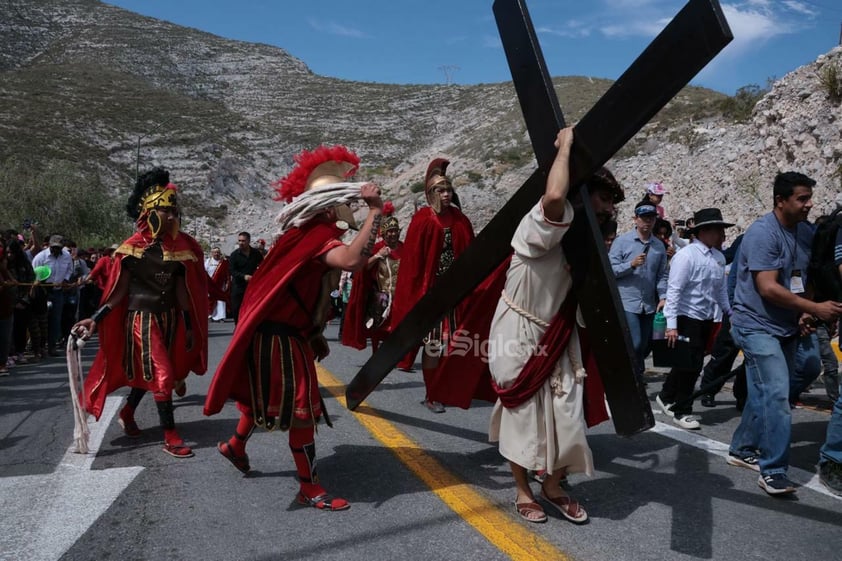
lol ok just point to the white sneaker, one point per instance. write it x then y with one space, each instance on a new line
687 422
664 406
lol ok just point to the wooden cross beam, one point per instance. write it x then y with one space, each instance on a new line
683 48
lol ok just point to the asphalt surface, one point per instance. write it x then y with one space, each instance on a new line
422 486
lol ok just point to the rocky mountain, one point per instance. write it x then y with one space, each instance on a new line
94 84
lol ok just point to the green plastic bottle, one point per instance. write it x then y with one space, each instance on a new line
659 326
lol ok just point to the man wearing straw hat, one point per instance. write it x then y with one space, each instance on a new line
696 285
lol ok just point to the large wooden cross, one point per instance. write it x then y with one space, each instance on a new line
680 51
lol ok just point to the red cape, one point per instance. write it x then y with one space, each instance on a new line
464 376
107 373
219 285
420 256
354 332
292 250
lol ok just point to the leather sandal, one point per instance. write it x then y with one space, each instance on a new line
239 462
531 512
323 502
567 507
178 450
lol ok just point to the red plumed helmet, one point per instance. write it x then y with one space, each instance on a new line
322 166
388 208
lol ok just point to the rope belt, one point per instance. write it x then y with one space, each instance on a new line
555 379
520 311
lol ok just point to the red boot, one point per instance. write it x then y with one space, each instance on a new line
126 420
304 453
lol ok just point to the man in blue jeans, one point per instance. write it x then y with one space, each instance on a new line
639 262
770 308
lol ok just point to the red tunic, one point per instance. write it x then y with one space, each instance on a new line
172 361
219 285
354 331
101 271
422 250
292 261
464 376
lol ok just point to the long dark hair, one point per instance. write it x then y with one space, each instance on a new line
19 266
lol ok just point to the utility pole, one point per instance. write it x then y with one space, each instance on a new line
146 134
448 70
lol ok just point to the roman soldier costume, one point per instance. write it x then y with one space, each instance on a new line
269 367
152 321
436 236
368 313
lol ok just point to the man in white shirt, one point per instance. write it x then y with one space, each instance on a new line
695 287
60 263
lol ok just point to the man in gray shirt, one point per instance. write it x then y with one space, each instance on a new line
639 262
770 307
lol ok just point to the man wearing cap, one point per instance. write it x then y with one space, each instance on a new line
269 367
696 286
60 263
436 236
639 262
770 307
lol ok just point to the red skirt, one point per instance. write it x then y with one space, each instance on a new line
282 380
149 340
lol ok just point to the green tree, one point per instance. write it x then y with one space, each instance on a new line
63 198
741 104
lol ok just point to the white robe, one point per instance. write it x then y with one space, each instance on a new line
218 312
548 430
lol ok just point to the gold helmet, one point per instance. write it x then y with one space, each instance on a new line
435 180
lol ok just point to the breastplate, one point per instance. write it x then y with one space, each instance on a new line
152 281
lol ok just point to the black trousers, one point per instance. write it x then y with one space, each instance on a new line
722 358
680 382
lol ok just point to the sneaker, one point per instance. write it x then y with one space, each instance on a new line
749 461
830 475
708 400
664 406
776 484
433 406
687 422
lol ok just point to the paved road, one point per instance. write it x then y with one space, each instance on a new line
423 486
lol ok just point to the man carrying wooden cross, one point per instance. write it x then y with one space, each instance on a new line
538 419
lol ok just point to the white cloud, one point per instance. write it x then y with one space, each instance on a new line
751 20
333 28
632 28
571 28
801 8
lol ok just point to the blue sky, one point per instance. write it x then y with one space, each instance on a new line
435 41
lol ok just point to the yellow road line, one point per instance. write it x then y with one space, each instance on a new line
505 533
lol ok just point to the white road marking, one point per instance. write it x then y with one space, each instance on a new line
44 515
802 477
